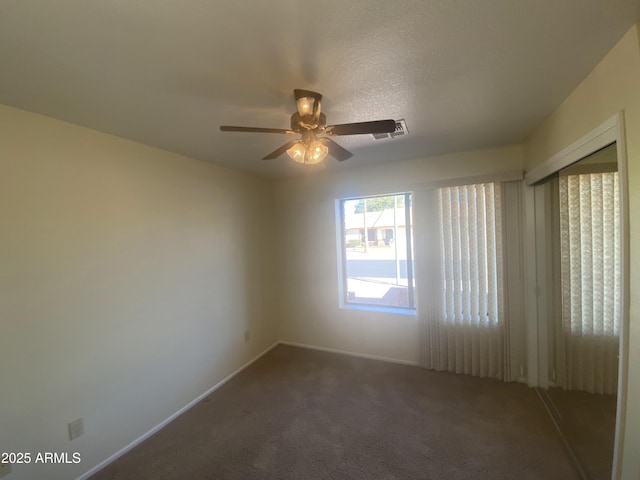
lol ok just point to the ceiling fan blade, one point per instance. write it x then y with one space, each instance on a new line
229 128
361 128
335 150
279 151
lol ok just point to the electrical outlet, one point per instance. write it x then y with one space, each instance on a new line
247 335
5 469
76 428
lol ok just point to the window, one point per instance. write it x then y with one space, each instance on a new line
377 251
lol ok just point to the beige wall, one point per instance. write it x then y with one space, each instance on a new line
614 85
128 277
309 309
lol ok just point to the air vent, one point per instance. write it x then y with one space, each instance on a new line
401 129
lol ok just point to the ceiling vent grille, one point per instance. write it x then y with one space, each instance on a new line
401 129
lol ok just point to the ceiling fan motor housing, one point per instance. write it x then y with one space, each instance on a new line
302 124
308 106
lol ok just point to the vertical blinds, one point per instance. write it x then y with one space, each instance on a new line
471 239
591 279
463 323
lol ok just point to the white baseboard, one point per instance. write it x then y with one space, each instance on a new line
352 354
164 423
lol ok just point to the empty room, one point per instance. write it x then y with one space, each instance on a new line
319 240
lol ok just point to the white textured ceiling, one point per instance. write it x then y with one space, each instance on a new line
463 74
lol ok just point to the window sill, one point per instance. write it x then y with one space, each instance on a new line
376 308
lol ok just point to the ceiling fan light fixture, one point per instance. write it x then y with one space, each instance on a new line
309 150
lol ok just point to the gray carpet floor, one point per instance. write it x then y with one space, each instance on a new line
305 414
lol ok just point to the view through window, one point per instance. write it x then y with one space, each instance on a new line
377 251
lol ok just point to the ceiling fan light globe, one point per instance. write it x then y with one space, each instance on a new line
297 153
316 153
305 106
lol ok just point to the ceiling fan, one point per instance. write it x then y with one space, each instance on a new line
309 122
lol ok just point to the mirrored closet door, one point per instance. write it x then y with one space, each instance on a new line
583 302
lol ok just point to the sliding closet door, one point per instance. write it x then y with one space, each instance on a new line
582 263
